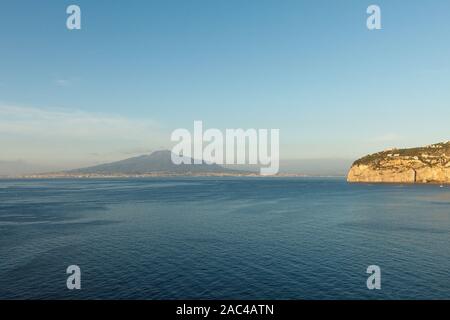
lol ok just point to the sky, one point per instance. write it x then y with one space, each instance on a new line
137 70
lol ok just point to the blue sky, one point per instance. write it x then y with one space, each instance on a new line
310 68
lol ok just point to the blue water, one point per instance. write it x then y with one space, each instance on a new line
227 238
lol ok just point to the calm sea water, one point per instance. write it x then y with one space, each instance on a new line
205 238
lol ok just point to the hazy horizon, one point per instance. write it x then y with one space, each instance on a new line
314 167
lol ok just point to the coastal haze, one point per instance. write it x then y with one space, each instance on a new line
160 163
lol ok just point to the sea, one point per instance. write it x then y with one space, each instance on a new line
223 238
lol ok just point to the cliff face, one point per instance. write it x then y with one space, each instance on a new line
430 164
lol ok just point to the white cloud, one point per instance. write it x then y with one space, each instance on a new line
73 136
63 82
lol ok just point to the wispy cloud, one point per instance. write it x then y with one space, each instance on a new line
71 123
63 82
75 135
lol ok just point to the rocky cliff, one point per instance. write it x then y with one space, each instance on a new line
430 164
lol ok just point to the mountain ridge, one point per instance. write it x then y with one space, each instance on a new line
158 163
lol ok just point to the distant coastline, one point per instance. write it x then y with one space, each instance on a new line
157 164
161 175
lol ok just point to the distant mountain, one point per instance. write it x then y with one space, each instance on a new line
157 162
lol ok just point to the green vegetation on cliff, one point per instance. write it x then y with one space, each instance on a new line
428 155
